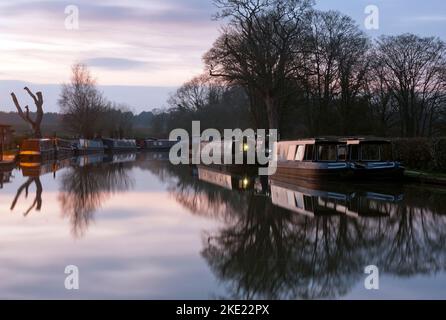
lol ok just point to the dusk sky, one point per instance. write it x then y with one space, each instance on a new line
135 44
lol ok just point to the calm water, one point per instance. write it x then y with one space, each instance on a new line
137 227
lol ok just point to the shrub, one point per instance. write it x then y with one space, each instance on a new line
414 153
421 153
439 154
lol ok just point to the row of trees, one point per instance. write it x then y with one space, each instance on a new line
87 113
308 72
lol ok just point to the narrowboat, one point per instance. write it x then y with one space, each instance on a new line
122 145
372 158
84 146
312 159
41 149
63 148
233 151
159 145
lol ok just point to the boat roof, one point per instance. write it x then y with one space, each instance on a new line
353 141
338 140
35 139
315 141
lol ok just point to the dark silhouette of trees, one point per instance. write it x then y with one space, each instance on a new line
414 70
258 50
333 73
87 113
312 73
81 104
214 104
38 101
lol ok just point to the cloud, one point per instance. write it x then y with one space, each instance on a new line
115 63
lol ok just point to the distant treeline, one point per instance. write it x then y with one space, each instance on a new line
53 124
282 64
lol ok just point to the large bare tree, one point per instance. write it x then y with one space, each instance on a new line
257 50
414 74
25 115
334 70
81 104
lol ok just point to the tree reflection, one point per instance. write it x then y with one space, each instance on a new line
37 203
85 188
268 252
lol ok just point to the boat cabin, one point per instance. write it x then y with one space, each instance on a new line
159 145
84 146
313 150
119 144
369 150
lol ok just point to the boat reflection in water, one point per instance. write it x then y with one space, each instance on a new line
261 238
225 179
313 241
354 200
86 182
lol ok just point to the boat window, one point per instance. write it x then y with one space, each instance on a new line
282 153
386 152
300 153
326 152
342 153
370 152
308 203
291 153
354 152
309 152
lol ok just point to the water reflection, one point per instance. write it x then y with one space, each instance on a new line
90 182
273 239
307 240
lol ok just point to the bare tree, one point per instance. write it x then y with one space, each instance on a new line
81 104
334 69
195 94
414 73
257 50
38 101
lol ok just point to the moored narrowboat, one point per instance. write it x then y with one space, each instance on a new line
37 149
119 145
312 159
372 158
84 146
63 148
159 145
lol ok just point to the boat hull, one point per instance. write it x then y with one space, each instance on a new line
291 170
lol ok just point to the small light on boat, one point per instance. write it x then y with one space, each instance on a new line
245 183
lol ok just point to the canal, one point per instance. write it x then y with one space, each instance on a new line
137 227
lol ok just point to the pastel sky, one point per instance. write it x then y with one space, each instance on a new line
137 44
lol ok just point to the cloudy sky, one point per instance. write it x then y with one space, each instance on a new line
146 47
